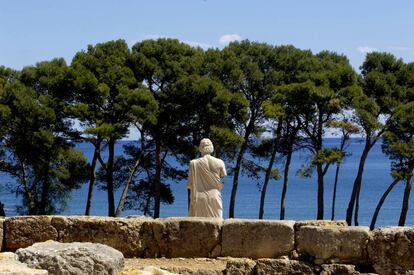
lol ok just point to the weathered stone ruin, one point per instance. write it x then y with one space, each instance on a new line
240 246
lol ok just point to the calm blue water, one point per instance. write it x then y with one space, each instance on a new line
300 199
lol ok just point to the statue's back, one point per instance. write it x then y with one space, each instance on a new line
204 181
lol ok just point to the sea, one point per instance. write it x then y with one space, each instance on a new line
301 197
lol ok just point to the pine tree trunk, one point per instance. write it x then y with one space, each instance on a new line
125 190
31 205
44 196
43 201
334 191
406 199
266 180
285 184
147 203
356 213
381 202
92 177
236 180
345 137
188 200
357 183
319 171
2 212
237 168
157 181
110 177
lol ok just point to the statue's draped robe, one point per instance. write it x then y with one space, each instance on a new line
204 183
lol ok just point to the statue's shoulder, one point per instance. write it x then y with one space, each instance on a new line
218 160
194 161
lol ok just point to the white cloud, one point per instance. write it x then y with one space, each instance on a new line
202 45
222 42
366 49
227 38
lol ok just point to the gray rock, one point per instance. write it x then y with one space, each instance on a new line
9 265
257 238
282 266
188 237
391 250
335 244
72 258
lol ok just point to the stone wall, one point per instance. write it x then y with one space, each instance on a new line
1 233
385 250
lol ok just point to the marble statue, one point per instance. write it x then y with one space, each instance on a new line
204 182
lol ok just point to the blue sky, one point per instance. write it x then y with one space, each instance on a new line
32 31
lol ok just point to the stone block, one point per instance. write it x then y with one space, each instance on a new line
257 238
1 233
187 237
132 236
24 231
334 244
338 269
391 250
184 266
299 224
283 266
240 266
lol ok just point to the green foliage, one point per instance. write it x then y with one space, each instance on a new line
6 74
254 171
325 158
345 126
327 155
168 69
324 95
264 148
34 152
175 95
108 97
383 87
398 141
162 66
381 74
209 112
248 70
108 100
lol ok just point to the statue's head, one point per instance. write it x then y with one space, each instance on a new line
206 147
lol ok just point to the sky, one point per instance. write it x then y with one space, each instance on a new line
33 31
